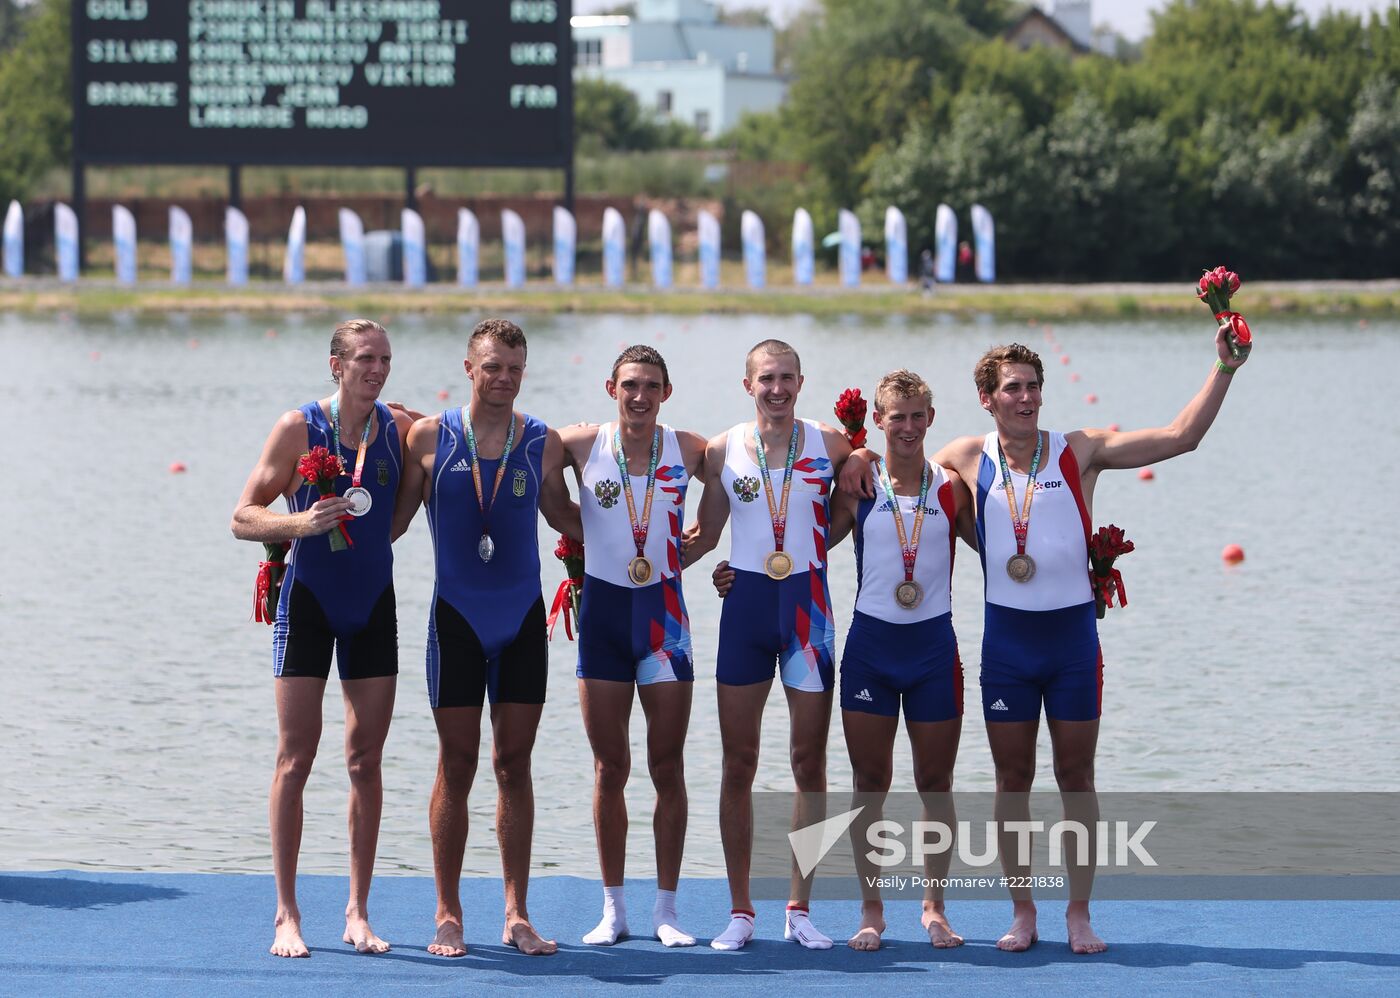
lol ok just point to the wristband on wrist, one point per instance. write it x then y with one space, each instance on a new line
1220 366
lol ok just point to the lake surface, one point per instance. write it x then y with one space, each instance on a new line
138 725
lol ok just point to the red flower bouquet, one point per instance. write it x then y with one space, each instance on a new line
1104 548
850 412
267 589
321 468
1215 289
570 591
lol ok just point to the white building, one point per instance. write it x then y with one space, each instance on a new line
681 62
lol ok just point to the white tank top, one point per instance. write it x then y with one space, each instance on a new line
880 564
751 531
1058 539
607 527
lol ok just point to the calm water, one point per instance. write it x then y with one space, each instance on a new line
138 727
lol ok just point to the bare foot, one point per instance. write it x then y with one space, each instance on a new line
1082 938
448 939
287 940
940 933
1021 936
522 935
359 935
872 924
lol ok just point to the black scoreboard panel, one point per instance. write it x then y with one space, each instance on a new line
323 82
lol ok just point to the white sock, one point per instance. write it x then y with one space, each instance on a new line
663 920
613 925
801 929
739 931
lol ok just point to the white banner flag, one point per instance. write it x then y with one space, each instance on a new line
803 246
565 244
181 246
352 246
468 247
294 263
659 236
14 240
614 247
236 240
709 250
755 249
415 248
896 246
513 236
849 228
65 237
985 240
945 244
124 243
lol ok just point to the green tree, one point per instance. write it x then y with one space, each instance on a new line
608 116
36 117
1371 178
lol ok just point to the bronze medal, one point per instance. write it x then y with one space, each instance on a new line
1021 567
639 570
778 564
909 594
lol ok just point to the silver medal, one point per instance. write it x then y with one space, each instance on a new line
359 499
486 547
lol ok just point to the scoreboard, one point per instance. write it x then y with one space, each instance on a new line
323 82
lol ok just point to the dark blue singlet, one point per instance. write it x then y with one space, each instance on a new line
493 597
347 585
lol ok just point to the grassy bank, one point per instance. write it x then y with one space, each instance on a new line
1027 301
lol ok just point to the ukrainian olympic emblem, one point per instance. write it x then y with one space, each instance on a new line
606 492
383 469
746 488
517 485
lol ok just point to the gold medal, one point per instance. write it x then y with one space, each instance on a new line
778 565
1021 567
909 594
639 570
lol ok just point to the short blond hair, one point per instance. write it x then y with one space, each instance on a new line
346 331
774 348
901 384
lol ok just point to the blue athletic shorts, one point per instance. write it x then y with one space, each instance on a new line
778 622
634 635
1030 656
919 662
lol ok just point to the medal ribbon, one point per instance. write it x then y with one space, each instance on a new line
777 512
908 548
1022 524
639 527
476 467
364 441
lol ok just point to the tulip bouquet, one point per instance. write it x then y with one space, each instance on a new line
1215 289
850 412
1104 549
321 468
570 591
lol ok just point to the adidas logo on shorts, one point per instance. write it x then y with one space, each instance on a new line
999 705
865 695
462 465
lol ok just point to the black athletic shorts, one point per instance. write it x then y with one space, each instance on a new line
303 641
459 674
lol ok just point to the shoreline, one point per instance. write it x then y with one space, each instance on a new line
1032 302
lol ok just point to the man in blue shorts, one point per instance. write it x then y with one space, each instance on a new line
773 478
633 476
485 472
337 602
1033 504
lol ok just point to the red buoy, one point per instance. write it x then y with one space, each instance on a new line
1146 474
1114 427
1074 376
444 394
177 467
1064 358
1091 398
1233 554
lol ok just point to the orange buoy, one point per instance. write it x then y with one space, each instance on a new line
1091 398
177 467
1146 474
1232 555
444 394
